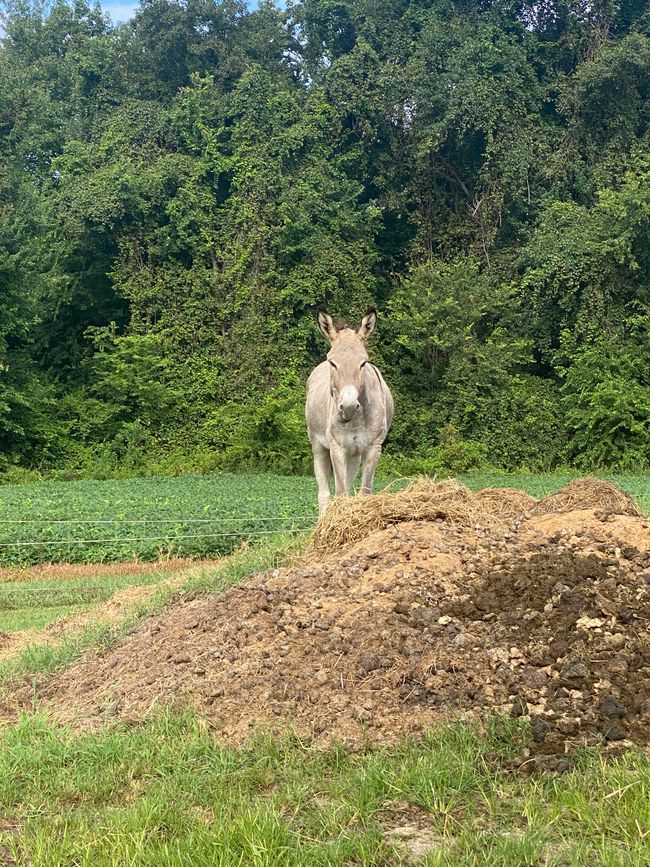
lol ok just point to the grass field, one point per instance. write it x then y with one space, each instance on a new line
168 794
198 516
34 604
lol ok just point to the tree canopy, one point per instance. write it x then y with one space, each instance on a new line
178 193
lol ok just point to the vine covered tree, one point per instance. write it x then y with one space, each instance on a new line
179 192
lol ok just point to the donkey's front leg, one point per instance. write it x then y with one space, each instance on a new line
323 473
339 465
369 467
351 471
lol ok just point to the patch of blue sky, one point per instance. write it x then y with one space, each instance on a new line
120 11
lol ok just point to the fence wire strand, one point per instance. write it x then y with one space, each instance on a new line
215 520
155 538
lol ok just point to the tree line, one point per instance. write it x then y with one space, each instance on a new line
178 193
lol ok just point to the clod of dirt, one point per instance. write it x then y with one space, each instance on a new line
545 618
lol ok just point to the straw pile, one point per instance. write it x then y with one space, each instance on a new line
588 493
353 518
506 504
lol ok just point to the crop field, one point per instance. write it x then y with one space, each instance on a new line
188 516
146 519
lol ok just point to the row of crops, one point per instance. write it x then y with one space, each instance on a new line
144 519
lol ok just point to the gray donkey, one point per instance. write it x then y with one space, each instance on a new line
349 409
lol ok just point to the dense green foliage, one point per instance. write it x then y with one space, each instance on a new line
177 194
190 516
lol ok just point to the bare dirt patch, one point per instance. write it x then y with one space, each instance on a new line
68 571
545 617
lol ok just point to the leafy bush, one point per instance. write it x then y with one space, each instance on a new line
606 395
270 435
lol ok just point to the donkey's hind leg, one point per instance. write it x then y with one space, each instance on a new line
323 473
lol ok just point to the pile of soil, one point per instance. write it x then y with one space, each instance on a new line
395 632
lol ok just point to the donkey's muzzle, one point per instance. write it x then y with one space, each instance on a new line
348 411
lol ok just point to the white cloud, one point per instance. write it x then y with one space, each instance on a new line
119 11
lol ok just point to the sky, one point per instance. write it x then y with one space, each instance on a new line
121 10
118 10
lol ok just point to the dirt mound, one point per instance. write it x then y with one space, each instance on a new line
588 493
415 622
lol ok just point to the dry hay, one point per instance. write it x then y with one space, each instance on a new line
350 519
508 504
588 493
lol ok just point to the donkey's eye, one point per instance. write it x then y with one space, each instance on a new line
332 363
362 365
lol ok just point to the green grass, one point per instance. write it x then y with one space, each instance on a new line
168 793
30 617
56 592
197 516
35 605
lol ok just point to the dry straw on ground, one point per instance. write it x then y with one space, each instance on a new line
353 518
588 493
506 504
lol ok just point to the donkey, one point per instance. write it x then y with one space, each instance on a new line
349 409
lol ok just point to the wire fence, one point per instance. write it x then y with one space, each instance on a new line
215 520
18 597
128 539
30 541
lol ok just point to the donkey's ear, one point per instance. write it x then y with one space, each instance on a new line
326 324
368 324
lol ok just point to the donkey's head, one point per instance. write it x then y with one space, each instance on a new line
347 358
